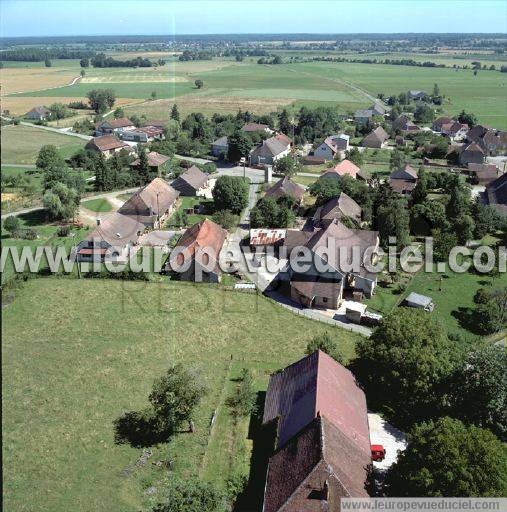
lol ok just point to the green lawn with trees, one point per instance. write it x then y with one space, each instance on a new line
68 378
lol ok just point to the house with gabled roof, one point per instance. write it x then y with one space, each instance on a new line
322 451
331 146
152 204
268 152
417 95
345 168
405 125
256 127
39 113
337 208
193 182
403 180
286 187
471 153
483 174
108 145
439 122
220 147
155 161
201 242
496 194
112 125
375 139
454 130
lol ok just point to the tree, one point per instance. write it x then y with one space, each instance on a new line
191 495
174 397
487 219
84 63
230 193
404 365
101 99
49 157
397 160
12 224
355 156
103 178
420 192
424 114
175 115
242 401
284 123
144 172
59 111
436 90
287 165
464 227
427 216
61 202
239 145
480 390
199 83
118 113
153 95
443 242
446 458
82 73
48 63
468 119
327 344
393 220
324 189
226 219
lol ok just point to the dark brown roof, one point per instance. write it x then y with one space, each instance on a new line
194 177
485 173
106 143
296 238
117 230
496 193
476 133
286 187
473 147
338 206
255 127
121 122
402 186
379 134
438 123
154 159
283 139
407 172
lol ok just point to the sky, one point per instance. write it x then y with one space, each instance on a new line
143 17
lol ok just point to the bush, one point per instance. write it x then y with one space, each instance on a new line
243 400
29 234
226 219
327 344
12 224
63 231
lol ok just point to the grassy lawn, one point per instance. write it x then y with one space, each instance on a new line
189 202
67 377
305 180
21 144
98 205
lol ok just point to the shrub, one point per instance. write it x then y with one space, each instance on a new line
29 234
12 224
63 231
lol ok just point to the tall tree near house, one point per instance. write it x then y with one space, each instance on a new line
436 90
447 458
393 220
143 169
466 118
102 171
284 123
239 146
230 193
84 63
420 192
61 202
175 114
397 160
118 113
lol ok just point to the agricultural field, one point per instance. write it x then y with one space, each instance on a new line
21 144
64 457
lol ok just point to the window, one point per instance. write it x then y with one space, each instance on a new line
324 299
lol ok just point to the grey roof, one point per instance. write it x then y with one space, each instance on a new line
340 204
118 230
272 146
222 141
496 193
194 177
364 113
418 300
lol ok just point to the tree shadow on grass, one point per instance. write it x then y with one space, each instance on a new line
140 429
263 437
466 318
35 218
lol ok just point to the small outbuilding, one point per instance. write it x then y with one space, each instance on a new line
415 300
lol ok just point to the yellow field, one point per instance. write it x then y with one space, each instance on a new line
32 79
20 105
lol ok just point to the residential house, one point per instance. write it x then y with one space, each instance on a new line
155 161
483 174
331 146
220 147
284 139
337 208
405 125
363 116
152 204
438 123
494 143
262 238
378 109
314 288
110 126
345 168
114 235
193 182
257 127
471 153
322 450
496 194
286 187
417 95
268 152
38 114
375 139
200 245
454 130
403 180
159 123
108 145
476 133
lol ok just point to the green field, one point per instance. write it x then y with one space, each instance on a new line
21 144
98 205
67 377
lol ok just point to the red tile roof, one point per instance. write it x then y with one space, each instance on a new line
347 167
107 142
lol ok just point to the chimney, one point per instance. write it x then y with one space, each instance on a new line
325 491
98 222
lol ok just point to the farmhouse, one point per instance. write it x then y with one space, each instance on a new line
314 288
257 127
145 134
403 180
496 194
108 145
117 231
375 139
323 450
363 116
268 152
417 95
454 130
438 123
345 168
284 139
38 113
155 161
471 153
220 147
494 143
337 208
113 125
483 174
405 125
204 239
286 187
193 182
331 146
152 204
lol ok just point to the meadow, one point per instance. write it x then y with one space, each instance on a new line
67 377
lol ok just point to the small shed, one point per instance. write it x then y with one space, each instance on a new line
415 300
